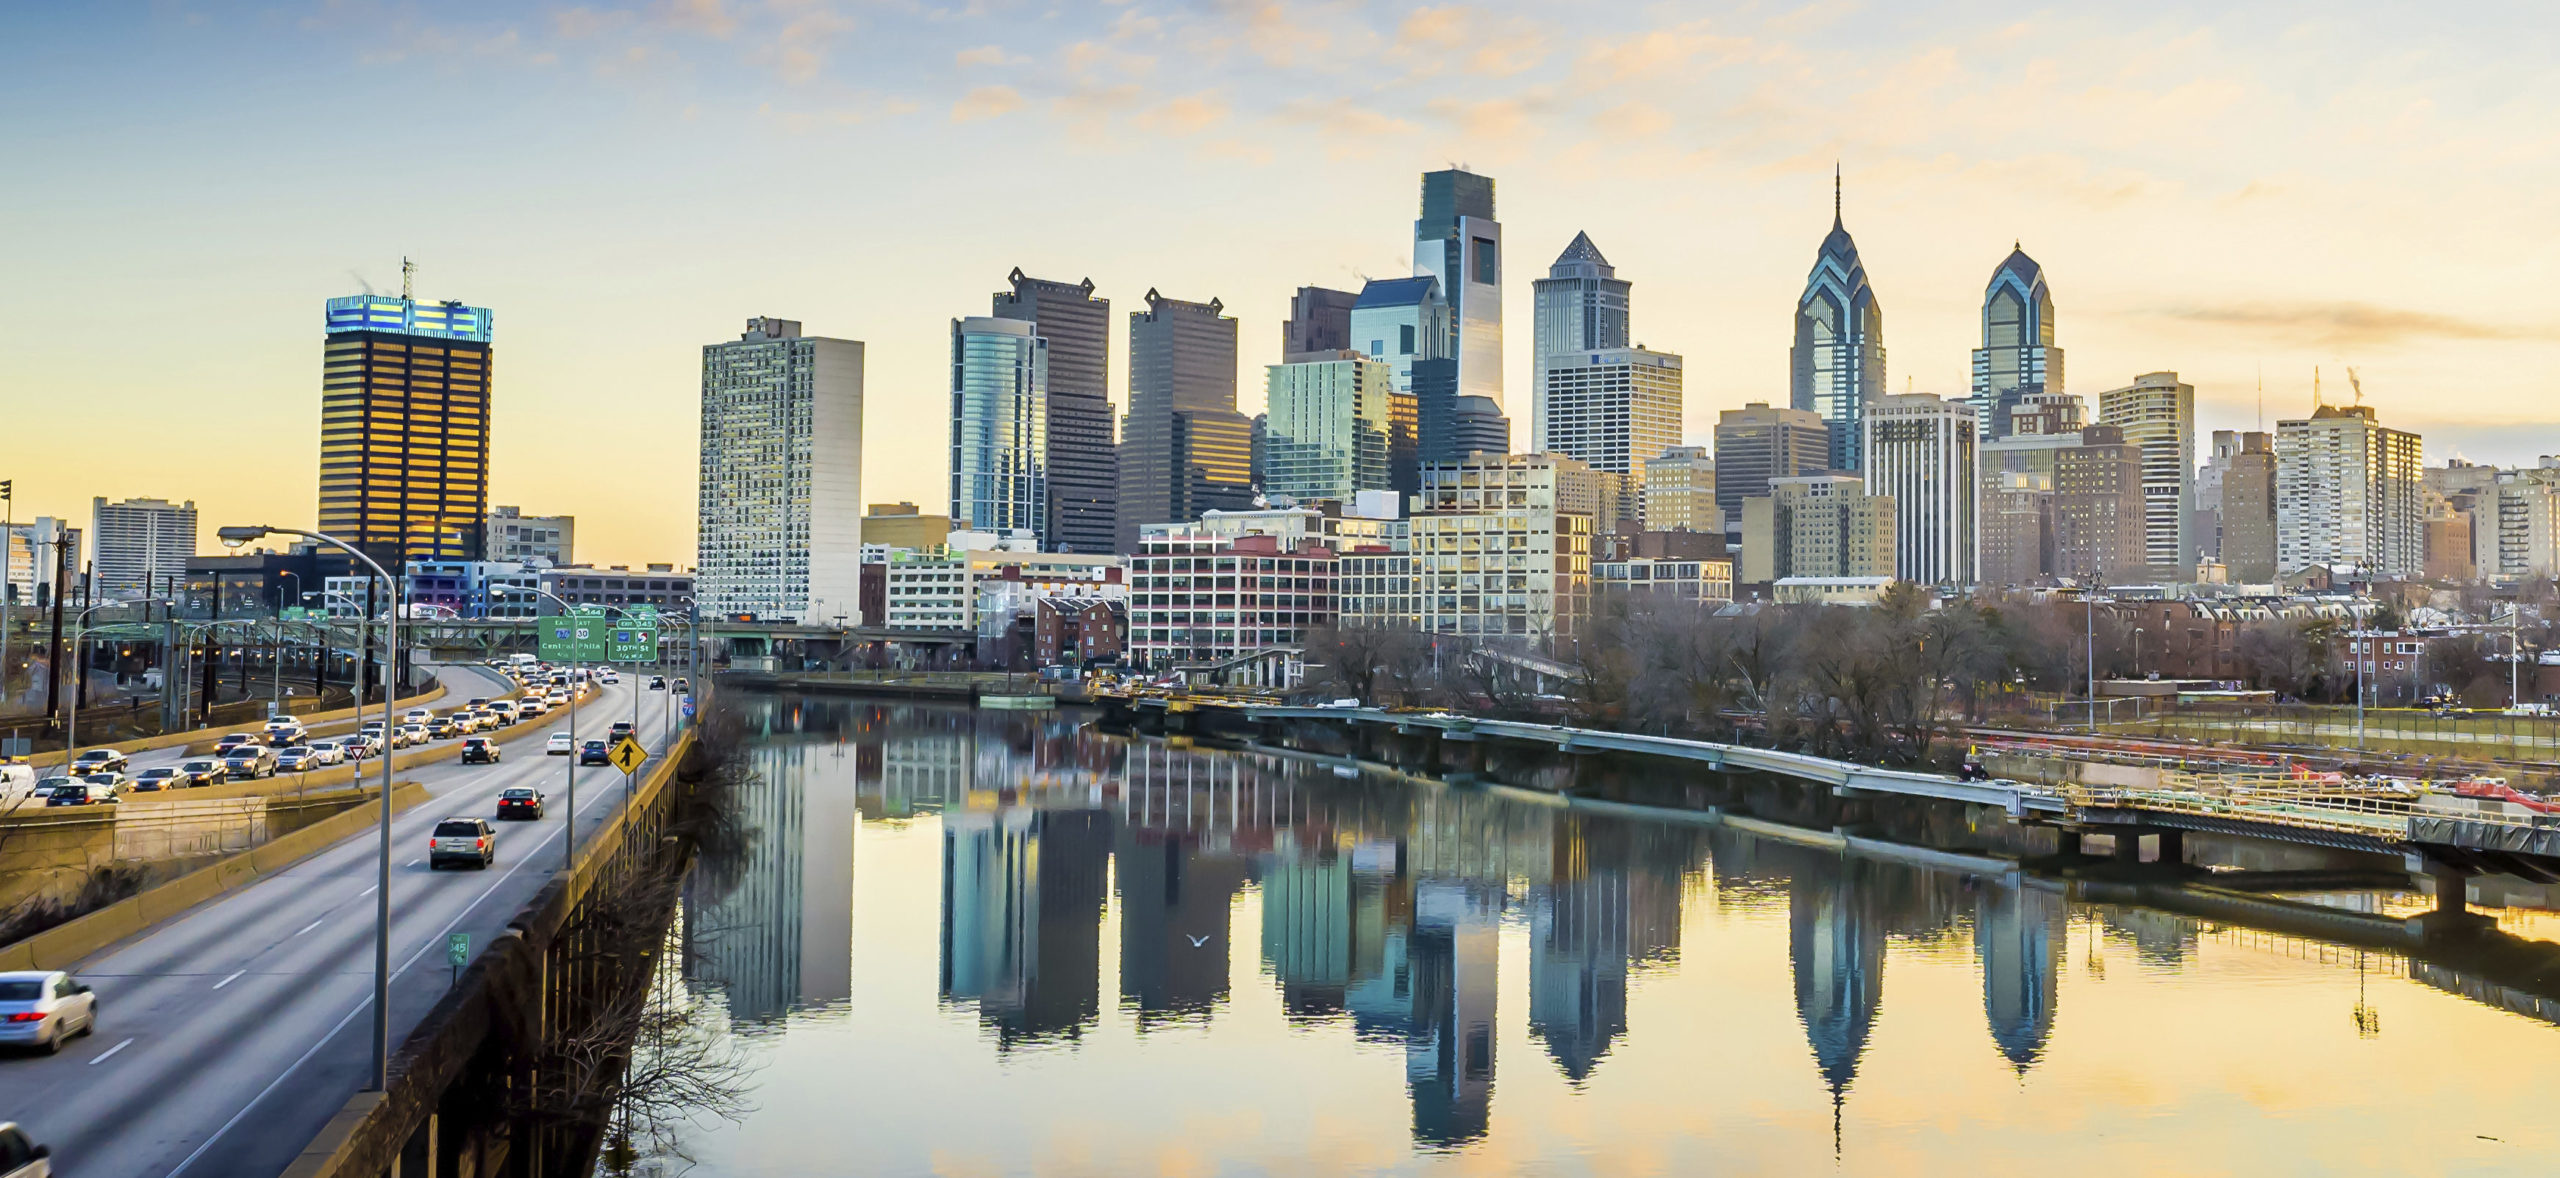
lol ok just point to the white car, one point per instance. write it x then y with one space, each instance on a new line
560 745
328 752
41 1008
611 677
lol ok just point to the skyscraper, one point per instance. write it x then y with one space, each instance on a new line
2098 516
1582 307
1755 444
1000 427
780 519
1404 322
1082 458
2348 491
1333 426
1183 448
141 543
1319 321
2248 512
1680 492
1458 242
1612 408
1920 451
404 428
2017 357
2158 414
1838 359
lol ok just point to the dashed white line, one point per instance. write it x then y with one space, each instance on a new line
104 1055
369 891
235 976
413 863
308 927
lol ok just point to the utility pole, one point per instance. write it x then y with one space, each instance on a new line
53 663
9 574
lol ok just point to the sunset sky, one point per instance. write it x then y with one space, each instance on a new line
2224 192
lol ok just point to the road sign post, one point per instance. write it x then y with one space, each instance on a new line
457 950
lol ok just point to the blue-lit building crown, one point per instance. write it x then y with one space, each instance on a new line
447 320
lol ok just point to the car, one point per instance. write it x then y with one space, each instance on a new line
442 727
250 761
40 1008
530 707
657 683
556 698
45 786
417 716
479 750
612 677
223 747
159 777
595 752
81 792
621 728
330 752
520 802
20 1156
360 745
282 731
561 744
415 734
503 711
462 840
300 758
684 684
97 759
472 720
201 771
476 703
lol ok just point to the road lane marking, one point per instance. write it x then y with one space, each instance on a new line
103 1056
308 927
369 891
413 863
235 976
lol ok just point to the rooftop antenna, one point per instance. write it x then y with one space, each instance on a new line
408 270
2315 386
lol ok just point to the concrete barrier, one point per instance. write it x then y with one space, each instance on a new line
205 735
66 944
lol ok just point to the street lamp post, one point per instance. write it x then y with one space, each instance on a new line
570 828
79 638
234 537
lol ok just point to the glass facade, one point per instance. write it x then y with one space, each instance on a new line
1837 362
1333 428
2017 358
404 428
999 427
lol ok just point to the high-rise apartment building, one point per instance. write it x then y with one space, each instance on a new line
2248 512
1184 449
1000 427
1319 321
2016 527
141 544
1612 408
519 538
1457 241
2158 414
1837 363
779 529
1823 527
1495 551
2017 357
2515 527
2348 491
1335 430
1581 307
2098 509
1680 491
1756 443
404 428
1082 457
1920 453
2207 515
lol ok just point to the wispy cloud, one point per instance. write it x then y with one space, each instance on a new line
986 102
2347 325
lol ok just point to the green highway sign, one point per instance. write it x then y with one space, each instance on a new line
457 948
295 613
631 644
593 638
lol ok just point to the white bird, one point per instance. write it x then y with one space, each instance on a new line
1197 942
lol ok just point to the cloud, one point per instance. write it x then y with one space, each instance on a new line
1633 119
985 55
1340 117
799 50
2346 325
1499 120
986 102
1457 34
702 16
1280 36
1661 52
1189 114
581 22
1094 105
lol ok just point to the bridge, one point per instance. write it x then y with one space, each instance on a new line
758 646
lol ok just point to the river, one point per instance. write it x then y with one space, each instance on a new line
982 943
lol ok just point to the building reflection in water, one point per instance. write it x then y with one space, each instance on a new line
1381 907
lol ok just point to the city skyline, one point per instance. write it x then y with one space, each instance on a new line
2189 221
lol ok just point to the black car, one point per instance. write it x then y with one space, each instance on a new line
479 750
97 760
158 777
595 752
657 683
520 802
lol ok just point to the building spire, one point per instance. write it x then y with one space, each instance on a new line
1835 194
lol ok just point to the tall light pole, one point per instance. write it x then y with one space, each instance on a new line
570 862
79 637
9 574
234 537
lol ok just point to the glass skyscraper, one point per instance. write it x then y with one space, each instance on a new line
1333 427
1083 455
1458 242
404 428
999 427
1838 359
2017 358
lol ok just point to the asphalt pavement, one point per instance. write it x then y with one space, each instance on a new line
228 1036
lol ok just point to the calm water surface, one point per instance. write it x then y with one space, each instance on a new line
996 944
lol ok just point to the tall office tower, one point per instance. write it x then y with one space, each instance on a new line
1333 427
2159 414
1680 492
1837 362
404 429
780 519
1184 449
1458 242
1581 308
1082 459
1756 443
141 543
2098 516
2348 491
1612 408
1920 451
1000 427
2209 479
2017 357
1319 321
2248 512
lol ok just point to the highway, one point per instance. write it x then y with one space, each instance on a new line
228 1036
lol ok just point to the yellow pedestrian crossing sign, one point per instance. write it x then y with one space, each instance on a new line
627 754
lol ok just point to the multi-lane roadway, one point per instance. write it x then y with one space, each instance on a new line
228 1036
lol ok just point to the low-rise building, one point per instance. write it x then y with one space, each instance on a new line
1375 587
1817 526
1197 597
1685 580
1080 629
940 590
658 585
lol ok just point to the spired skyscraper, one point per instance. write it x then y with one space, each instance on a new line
780 525
1838 357
1581 306
404 428
2017 358
1082 458
1458 242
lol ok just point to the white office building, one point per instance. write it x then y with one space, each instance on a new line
1581 306
141 543
2349 491
1920 453
2158 415
781 492
1613 409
